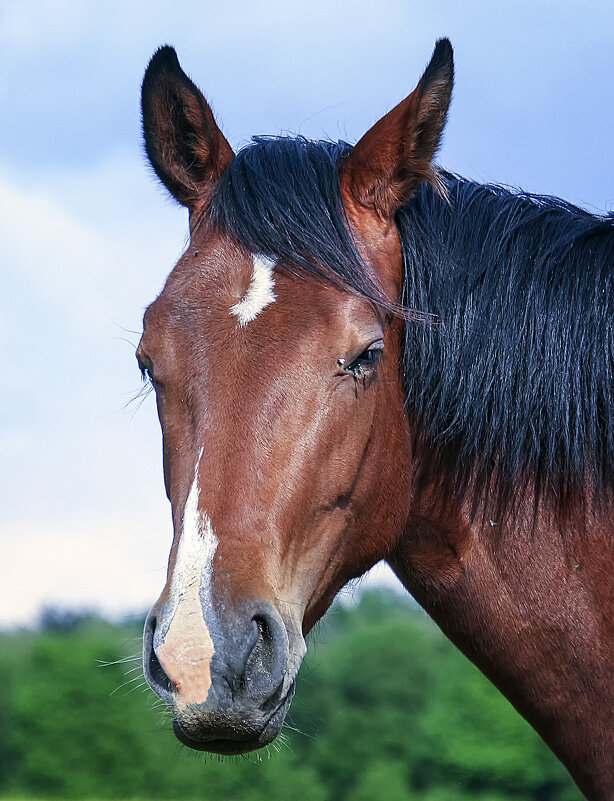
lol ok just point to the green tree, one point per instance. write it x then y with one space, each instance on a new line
475 736
382 780
385 708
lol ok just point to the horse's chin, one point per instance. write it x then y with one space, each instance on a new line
234 739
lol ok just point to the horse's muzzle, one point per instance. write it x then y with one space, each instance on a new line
229 686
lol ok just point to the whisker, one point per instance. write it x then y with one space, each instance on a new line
139 398
124 660
130 681
134 669
127 341
298 731
127 331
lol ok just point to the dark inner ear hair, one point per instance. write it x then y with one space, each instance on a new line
185 144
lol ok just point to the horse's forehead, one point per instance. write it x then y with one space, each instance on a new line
228 298
234 288
204 282
208 269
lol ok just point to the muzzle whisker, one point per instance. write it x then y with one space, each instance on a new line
124 660
293 728
130 681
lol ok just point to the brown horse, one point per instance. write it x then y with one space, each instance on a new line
362 357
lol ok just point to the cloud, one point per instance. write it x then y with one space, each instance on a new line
55 258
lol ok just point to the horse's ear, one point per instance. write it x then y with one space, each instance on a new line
183 142
394 156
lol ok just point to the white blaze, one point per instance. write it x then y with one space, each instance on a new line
197 546
186 649
259 293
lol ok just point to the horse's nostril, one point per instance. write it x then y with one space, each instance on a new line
263 679
262 656
155 674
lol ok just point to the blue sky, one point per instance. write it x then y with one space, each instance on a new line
87 237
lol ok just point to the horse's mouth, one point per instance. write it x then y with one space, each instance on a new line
241 740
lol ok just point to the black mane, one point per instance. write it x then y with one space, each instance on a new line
514 381
518 378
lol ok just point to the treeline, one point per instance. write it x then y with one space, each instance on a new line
385 709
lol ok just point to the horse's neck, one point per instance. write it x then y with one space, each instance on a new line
533 607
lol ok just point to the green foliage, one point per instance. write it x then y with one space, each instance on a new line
382 779
386 709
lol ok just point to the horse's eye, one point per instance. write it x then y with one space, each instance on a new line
146 369
368 358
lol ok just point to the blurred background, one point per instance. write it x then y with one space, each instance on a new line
86 240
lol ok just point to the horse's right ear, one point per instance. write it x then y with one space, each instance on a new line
395 155
183 142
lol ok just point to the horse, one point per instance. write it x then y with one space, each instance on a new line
363 357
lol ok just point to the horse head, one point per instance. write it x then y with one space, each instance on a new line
287 455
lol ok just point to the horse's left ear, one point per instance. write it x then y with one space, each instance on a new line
394 156
184 144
